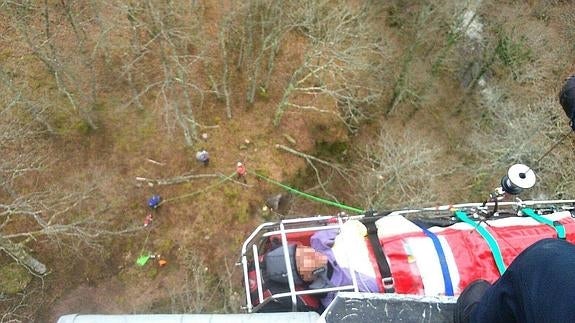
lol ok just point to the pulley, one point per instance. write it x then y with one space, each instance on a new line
518 178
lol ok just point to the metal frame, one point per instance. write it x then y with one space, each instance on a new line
317 223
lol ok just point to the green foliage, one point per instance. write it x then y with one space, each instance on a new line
303 178
238 207
242 211
14 278
82 127
5 54
230 192
331 150
512 53
395 16
263 92
481 185
152 271
165 246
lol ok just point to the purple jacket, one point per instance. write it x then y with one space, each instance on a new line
322 241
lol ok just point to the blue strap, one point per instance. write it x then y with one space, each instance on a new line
488 238
559 228
442 260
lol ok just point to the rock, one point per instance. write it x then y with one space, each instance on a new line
278 203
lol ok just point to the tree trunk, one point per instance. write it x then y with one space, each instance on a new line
17 252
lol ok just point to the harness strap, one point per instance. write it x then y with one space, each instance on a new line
442 260
384 270
491 242
559 228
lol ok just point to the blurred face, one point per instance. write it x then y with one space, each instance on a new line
308 260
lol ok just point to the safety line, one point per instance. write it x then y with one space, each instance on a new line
224 178
311 197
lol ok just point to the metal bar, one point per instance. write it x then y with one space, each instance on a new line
306 229
258 274
254 233
247 284
308 219
464 205
351 266
288 267
314 291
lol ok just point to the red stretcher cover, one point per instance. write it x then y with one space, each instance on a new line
414 260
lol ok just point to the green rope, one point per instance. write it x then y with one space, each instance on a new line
312 197
488 237
559 228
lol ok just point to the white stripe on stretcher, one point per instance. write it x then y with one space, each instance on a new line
423 251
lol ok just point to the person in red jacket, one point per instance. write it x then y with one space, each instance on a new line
241 172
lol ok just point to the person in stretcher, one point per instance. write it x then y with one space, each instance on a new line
326 262
430 261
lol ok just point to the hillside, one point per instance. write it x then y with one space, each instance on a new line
375 104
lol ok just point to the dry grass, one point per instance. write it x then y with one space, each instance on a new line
442 141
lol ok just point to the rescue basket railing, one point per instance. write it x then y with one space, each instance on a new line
266 230
285 227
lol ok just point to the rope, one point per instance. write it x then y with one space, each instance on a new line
224 179
309 196
209 187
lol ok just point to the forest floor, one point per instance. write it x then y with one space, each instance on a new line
203 218
201 225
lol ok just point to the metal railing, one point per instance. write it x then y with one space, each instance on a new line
310 225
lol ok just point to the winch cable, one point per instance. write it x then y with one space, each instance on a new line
557 143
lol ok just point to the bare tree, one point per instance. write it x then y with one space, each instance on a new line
339 74
260 29
42 214
204 290
509 132
43 26
401 169
169 34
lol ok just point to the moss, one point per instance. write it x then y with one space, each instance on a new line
331 150
480 185
165 246
263 172
263 93
230 192
242 212
14 278
152 272
83 128
5 54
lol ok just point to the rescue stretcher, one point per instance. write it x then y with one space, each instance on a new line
432 253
